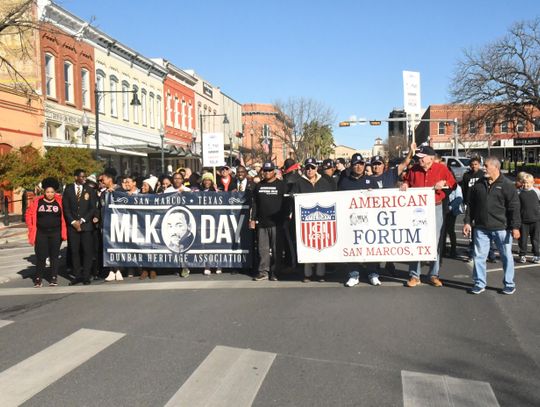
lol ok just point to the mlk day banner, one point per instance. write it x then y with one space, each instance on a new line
366 226
192 229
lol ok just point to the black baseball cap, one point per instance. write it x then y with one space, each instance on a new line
424 151
377 159
268 166
328 163
341 160
310 162
357 159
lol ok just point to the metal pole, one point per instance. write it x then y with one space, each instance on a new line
456 150
202 144
24 203
230 151
162 155
96 102
6 211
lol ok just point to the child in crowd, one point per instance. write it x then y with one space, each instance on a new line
529 199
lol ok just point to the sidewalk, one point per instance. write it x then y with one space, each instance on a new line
15 232
15 251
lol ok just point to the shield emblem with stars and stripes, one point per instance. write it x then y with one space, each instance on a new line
318 225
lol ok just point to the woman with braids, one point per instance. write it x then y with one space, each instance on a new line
46 229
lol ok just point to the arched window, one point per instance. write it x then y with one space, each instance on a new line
151 109
85 88
100 86
68 82
125 100
50 75
144 105
113 80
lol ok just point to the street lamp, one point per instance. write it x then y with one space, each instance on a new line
97 93
225 121
85 123
162 136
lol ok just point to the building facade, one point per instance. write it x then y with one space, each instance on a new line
233 136
508 138
264 134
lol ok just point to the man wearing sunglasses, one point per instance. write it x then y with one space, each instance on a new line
268 212
312 181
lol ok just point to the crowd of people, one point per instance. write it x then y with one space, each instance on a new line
495 212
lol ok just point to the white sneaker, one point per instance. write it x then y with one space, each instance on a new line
218 271
374 280
119 275
522 259
352 282
111 276
207 272
536 260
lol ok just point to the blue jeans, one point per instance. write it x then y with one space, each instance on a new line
415 267
503 240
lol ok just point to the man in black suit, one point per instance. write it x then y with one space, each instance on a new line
242 183
80 203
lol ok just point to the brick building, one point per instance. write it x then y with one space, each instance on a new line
262 122
507 138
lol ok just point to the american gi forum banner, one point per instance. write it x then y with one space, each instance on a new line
191 229
366 226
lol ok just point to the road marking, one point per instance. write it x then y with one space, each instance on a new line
425 390
4 322
180 285
227 377
21 382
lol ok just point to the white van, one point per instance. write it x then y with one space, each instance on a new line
458 165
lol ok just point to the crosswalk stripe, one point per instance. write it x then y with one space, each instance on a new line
180 285
4 322
218 379
27 378
425 390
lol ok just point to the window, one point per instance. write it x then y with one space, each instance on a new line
67 134
183 115
152 112
442 128
143 107
489 127
520 125
68 82
125 100
114 100
85 88
158 117
135 108
190 117
472 127
176 113
169 109
504 127
537 124
100 83
50 76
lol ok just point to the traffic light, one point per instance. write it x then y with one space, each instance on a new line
375 122
344 124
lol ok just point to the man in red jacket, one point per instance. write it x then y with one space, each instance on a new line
428 173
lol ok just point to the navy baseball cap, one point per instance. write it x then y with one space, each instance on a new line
341 160
310 162
377 159
357 159
268 166
424 151
328 163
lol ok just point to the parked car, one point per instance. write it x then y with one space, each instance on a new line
458 165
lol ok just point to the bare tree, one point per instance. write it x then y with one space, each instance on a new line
501 81
298 116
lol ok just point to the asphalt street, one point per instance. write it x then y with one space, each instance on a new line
224 340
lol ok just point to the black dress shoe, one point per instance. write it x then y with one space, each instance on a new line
87 282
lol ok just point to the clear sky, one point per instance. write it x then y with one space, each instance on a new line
347 54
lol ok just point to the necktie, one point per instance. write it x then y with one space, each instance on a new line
79 188
241 189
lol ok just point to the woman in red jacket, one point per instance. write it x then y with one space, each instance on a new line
46 229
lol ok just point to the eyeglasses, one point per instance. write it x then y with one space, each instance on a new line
311 168
376 164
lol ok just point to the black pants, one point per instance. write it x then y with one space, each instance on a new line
270 238
47 245
81 245
531 230
450 230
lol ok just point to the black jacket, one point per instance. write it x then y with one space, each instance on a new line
84 208
323 184
469 179
495 206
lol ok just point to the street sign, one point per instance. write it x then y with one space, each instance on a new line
344 124
375 122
